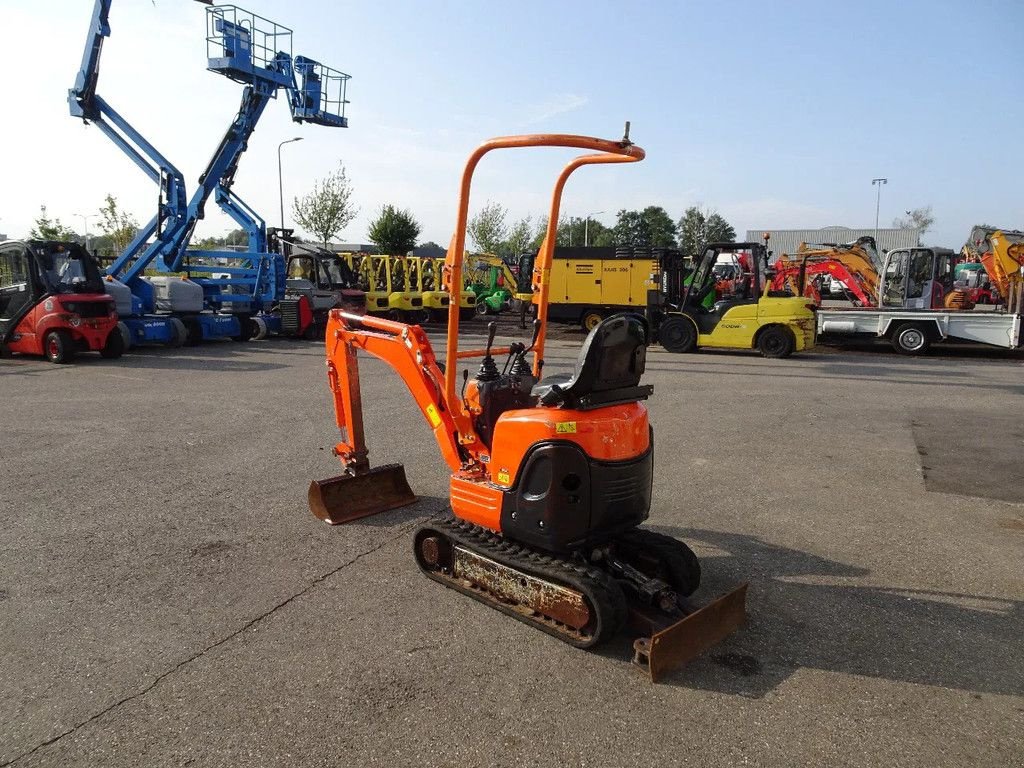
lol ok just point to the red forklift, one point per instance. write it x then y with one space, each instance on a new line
52 302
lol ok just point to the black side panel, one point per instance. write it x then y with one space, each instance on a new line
563 499
621 493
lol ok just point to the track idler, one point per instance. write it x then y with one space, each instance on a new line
349 497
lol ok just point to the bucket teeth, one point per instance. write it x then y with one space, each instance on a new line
345 498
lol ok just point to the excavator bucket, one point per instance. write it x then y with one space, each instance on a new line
673 645
345 498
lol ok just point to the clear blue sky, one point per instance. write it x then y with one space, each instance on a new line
776 114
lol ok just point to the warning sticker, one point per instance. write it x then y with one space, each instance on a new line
503 478
565 427
433 415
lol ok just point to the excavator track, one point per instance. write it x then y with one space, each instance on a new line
576 602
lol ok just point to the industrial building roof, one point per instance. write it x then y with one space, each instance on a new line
788 240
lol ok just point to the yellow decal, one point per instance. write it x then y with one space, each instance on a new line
503 478
433 416
565 427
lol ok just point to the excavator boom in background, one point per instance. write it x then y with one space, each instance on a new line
550 479
856 265
1001 253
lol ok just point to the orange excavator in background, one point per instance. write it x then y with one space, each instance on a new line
854 264
1001 253
550 478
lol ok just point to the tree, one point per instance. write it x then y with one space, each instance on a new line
46 228
394 231
519 238
541 231
919 218
487 228
698 227
651 227
119 226
328 208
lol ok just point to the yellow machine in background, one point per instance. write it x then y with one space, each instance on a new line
589 284
435 298
406 288
1001 252
749 318
405 302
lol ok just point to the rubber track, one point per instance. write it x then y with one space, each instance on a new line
602 592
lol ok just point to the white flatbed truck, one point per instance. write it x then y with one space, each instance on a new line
913 331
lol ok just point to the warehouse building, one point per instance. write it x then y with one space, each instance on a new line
788 240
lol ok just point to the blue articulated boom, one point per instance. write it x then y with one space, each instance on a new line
84 103
257 53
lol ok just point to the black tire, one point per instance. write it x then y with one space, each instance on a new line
245 328
678 334
590 319
59 347
663 557
776 342
114 347
194 331
315 331
180 333
910 339
482 308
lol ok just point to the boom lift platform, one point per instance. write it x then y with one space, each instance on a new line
233 288
550 479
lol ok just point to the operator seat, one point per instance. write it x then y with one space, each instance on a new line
608 368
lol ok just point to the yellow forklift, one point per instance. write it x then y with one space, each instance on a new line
777 324
405 300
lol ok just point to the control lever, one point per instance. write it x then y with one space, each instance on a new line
488 370
521 367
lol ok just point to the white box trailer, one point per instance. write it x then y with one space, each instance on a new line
913 331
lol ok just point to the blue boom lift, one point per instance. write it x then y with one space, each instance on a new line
237 296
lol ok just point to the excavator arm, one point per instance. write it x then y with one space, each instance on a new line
407 350
788 275
1001 253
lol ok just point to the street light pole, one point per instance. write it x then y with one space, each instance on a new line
280 183
586 228
85 222
878 204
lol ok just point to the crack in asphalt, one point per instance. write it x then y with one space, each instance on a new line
163 675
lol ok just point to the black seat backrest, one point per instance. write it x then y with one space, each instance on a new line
608 368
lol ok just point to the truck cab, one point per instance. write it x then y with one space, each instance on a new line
917 278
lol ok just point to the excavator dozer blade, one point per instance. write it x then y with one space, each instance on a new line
349 497
678 643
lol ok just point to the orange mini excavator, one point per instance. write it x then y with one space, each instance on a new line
551 478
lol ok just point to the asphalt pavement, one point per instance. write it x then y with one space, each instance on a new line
167 599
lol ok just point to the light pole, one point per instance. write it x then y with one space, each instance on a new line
586 228
878 203
280 184
85 221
